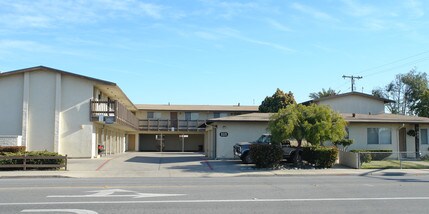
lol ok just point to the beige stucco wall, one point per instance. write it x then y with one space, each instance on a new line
41 111
76 130
355 104
11 95
358 132
237 132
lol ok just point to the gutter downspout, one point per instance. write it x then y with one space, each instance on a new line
398 135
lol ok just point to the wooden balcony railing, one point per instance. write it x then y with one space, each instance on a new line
113 112
171 125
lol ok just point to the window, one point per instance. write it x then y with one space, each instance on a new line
379 136
150 115
216 114
188 115
424 136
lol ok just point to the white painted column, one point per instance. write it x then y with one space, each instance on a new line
25 109
57 113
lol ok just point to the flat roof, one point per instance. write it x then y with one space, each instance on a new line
209 108
349 94
384 118
349 117
252 117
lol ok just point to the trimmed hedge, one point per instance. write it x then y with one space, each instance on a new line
32 161
320 157
374 155
13 149
266 155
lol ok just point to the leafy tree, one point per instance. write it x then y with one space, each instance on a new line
422 107
406 90
314 123
417 86
277 101
323 93
395 91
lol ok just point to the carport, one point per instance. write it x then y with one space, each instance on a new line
176 142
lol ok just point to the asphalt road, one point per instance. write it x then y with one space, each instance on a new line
292 194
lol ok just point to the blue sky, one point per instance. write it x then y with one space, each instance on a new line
218 52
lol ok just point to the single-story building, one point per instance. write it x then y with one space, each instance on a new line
368 126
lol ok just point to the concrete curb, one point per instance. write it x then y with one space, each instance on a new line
210 174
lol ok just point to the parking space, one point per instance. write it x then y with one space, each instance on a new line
153 164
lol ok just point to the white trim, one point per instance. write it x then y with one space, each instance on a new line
25 107
57 113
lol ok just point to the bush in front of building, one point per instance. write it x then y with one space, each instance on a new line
13 149
319 156
376 155
32 161
266 155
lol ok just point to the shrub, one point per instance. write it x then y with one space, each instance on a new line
321 157
13 149
365 157
343 142
33 161
266 155
383 154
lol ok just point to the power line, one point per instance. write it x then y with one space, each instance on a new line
398 66
390 63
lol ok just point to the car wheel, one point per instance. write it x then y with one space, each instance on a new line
247 159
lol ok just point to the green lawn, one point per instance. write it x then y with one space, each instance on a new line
394 164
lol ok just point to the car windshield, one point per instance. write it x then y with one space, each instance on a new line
264 139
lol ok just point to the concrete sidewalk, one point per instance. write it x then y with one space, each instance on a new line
147 164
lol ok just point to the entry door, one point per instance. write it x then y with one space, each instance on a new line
173 119
403 141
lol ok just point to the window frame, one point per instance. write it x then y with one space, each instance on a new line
422 137
380 132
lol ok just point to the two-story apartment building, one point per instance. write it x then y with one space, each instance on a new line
48 109
180 127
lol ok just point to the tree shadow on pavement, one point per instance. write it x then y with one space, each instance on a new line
392 176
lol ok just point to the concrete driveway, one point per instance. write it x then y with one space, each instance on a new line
153 164
158 165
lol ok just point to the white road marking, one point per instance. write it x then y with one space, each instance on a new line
77 211
220 201
111 193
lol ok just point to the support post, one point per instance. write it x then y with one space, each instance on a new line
417 140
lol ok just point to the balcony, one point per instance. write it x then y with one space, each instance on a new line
171 125
113 112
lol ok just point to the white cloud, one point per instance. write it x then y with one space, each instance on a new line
235 34
45 13
227 9
30 46
353 8
207 35
313 12
415 7
277 25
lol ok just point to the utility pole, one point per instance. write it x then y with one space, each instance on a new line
352 78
